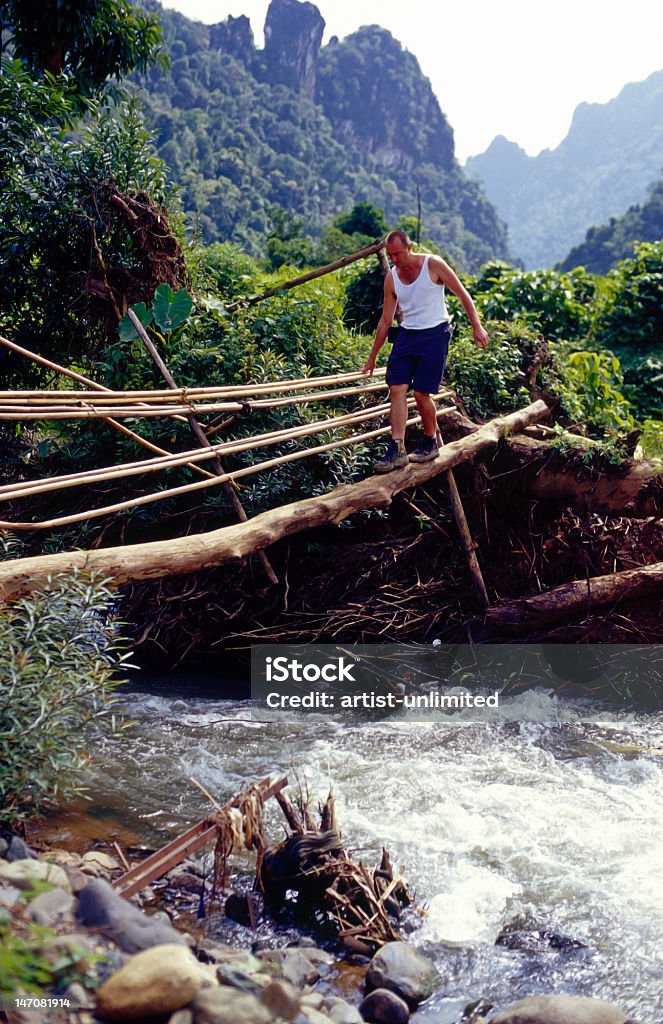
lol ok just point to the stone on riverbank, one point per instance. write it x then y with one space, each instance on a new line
155 982
560 1010
100 907
401 969
384 1007
25 872
50 908
229 1006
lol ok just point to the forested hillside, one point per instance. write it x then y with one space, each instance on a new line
607 244
606 163
243 131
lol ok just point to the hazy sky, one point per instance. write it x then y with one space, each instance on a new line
511 67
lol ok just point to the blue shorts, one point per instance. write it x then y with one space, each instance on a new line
419 357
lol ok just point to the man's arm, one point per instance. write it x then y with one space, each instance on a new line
443 274
388 312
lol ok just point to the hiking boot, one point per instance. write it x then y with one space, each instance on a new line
395 458
426 451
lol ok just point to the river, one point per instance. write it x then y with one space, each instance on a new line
556 818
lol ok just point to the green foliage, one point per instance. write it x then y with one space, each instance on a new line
607 244
492 381
631 314
229 271
287 242
169 310
652 439
85 43
23 967
363 300
591 390
364 219
49 208
557 304
59 652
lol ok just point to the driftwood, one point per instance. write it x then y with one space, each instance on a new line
581 597
232 544
312 863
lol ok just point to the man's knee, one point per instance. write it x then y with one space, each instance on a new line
422 396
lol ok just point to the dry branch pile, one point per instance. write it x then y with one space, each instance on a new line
313 864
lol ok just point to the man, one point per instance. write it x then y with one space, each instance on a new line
417 284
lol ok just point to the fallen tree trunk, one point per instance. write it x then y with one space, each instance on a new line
232 544
579 598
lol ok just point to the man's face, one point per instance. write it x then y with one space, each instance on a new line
398 253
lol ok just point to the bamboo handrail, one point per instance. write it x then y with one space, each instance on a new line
96 410
22 489
230 390
66 372
344 261
201 484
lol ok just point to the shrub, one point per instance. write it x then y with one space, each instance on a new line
59 651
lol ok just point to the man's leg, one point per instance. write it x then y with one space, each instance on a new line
396 456
398 410
428 448
427 411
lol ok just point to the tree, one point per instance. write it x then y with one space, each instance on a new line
86 41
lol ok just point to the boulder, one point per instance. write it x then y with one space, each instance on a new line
384 1007
343 1013
100 907
298 969
281 998
23 873
50 907
96 862
560 1010
229 1006
155 982
401 969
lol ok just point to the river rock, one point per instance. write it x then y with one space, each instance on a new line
96 862
401 969
310 1016
18 850
155 982
298 969
229 1006
4 846
100 907
384 1007
23 873
281 998
341 1012
560 1010
50 907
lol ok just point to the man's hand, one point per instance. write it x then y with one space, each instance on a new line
369 365
481 337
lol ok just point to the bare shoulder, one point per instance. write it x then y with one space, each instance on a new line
439 269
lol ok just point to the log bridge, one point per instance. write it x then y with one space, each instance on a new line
220 406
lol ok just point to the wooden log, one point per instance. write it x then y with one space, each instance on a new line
577 599
232 544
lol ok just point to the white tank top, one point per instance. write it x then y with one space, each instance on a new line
422 303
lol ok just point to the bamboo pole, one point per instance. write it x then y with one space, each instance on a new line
96 388
344 261
24 488
199 433
232 544
237 474
226 390
84 410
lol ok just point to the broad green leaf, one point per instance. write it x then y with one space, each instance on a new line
171 308
127 330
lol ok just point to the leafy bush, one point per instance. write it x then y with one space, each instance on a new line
589 385
559 305
492 381
630 317
59 652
